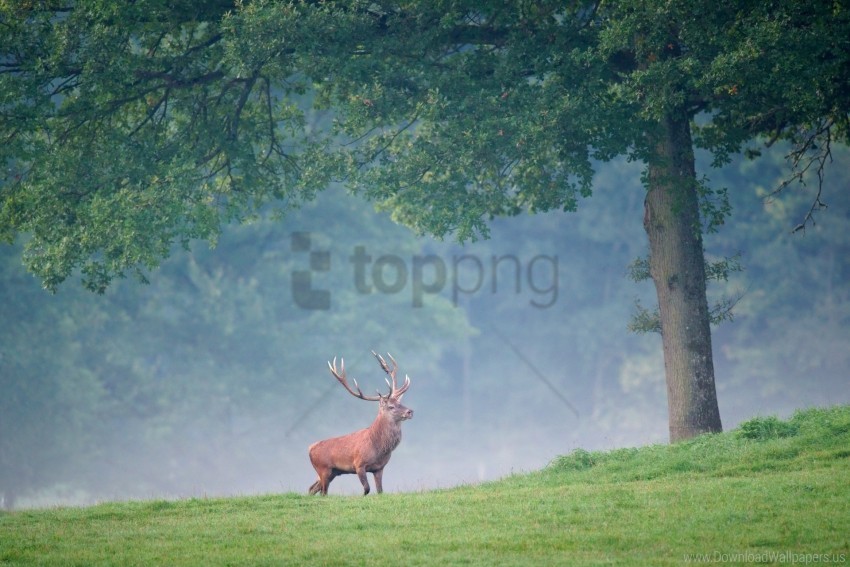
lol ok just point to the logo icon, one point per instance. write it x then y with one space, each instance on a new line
302 280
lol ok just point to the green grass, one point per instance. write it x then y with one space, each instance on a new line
770 491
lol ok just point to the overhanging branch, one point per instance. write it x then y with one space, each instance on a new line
811 151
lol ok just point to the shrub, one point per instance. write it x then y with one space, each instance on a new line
578 460
764 428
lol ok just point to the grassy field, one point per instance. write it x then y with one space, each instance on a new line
769 492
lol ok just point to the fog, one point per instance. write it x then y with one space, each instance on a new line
212 380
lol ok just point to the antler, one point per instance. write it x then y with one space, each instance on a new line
395 391
340 375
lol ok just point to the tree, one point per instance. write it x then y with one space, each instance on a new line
499 109
129 128
132 127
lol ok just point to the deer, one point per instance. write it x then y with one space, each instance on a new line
367 450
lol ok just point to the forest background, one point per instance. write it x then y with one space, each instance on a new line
212 379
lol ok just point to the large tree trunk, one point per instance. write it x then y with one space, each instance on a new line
677 267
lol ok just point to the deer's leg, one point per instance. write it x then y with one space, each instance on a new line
326 480
321 485
361 474
378 476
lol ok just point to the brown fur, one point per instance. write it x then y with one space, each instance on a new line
364 451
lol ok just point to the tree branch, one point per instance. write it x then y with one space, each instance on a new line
812 147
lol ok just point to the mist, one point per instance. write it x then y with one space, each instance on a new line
212 380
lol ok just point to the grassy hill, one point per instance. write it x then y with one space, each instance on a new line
771 491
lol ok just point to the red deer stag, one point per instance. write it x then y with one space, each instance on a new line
367 450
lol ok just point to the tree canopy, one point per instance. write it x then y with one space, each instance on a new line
510 106
130 128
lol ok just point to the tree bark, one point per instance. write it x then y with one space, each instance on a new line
677 267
